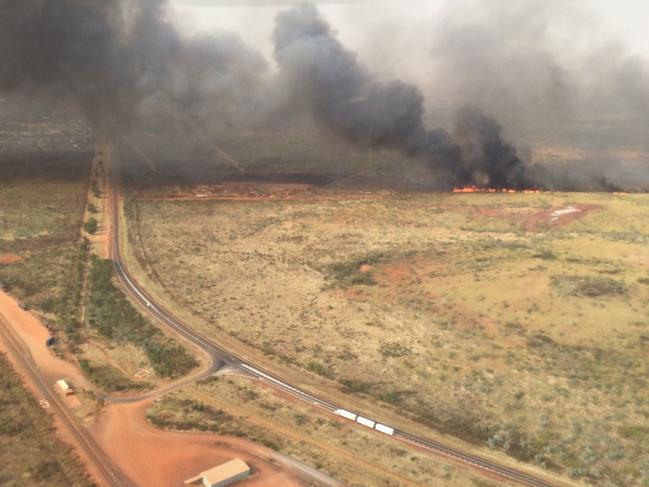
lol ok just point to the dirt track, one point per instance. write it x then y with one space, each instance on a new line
153 457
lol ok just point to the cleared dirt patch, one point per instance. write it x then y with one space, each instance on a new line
153 457
7 259
559 216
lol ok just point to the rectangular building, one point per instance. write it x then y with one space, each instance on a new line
226 474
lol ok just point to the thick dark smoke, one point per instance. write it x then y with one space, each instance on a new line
327 79
73 49
123 60
119 59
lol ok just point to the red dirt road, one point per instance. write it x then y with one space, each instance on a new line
152 457
33 333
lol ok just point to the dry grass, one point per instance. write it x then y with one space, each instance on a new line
475 313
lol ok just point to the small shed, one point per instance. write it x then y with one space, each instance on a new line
223 475
64 387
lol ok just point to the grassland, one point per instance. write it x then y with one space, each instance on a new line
483 316
234 406
30 451
41 203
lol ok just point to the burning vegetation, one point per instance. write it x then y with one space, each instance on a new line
477 189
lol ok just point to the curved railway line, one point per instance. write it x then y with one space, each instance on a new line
220 357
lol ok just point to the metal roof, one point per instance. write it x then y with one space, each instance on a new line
226 471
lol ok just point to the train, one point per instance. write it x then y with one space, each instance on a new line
365 421
382 428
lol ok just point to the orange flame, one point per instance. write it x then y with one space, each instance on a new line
476 189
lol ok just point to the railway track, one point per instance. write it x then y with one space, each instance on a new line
222 356
111 473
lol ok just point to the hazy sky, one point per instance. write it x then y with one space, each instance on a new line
622 20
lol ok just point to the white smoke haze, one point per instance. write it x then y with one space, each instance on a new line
434 79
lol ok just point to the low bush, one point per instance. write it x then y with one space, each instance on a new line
91 225
588 286
109 378
395 350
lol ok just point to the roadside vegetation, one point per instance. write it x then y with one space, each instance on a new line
477 315
91 226
31 453
115 318
109 378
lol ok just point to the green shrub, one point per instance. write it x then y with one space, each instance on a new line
114 317
394 349
95 188
109 378
588 286
318 368
349 273
91 225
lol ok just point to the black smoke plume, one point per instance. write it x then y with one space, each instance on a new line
329 81
119 59
124 59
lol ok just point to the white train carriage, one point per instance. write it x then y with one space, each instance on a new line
365 421
384 429
345 414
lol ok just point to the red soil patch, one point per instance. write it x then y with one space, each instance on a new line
152 457
397 272
9 258
535 221
355 294
559 216
389 275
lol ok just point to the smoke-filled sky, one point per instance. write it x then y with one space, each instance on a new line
436 80
525 59
624 21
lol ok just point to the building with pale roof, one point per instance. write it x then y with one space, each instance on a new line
223 475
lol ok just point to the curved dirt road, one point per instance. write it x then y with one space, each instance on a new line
150 456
